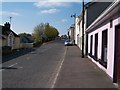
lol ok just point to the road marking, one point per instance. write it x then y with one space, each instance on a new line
9 66
13 65
56 76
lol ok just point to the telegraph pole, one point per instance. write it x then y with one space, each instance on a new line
83 28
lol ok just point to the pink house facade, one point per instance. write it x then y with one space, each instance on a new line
104 41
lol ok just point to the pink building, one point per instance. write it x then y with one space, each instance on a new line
104 41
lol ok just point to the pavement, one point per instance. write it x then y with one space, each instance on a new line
77 72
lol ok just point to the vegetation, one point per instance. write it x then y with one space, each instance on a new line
44 32
51 32
24 34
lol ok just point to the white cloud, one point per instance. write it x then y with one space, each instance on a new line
51 4
9 13
49 11
64 20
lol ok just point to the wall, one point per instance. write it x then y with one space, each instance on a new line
26 45
76 30
17 43
3 42
111 41
71 32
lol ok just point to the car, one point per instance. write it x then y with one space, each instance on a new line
68 42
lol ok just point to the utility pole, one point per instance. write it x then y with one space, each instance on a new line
83 28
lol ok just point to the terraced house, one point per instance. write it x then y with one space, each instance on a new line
92 11
104 41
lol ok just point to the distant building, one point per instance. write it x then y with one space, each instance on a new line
72 33
26 39
8 37
63 36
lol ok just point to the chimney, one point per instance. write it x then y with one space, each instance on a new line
7 25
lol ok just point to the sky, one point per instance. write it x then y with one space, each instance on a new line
26 15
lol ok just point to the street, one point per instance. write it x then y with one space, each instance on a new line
36 69
53 65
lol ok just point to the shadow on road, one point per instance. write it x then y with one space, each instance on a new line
16 54
9 68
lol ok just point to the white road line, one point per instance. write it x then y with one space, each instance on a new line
13 65
56 76
9 66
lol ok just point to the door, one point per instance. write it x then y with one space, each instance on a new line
91 44
118 62
96 46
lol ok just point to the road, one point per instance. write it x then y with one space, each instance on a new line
36 69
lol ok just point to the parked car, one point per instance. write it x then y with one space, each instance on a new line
68 42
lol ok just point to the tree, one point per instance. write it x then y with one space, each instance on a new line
38 32
24 34
44 31
51 32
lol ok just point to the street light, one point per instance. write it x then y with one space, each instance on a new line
74 16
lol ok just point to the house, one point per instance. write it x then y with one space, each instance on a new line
104 41
8 37
77 28
26 39
63 36
92 10
71 33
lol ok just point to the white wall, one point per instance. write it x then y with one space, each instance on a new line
76 29
111 38
80 35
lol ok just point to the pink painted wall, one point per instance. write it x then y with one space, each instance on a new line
111 40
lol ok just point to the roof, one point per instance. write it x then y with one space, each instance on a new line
5 31
113 6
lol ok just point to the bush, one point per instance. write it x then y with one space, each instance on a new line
6 49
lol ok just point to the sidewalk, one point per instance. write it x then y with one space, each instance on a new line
77 72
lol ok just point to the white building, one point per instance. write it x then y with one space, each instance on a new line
77 30
103 41
92 11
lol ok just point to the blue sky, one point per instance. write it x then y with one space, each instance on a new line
26 15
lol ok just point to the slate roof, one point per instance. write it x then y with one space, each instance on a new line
5 31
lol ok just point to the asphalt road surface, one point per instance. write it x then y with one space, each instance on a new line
36 69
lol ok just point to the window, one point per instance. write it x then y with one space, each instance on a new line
91 41
104 49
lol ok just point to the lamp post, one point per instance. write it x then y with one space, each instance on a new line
74 16
83 28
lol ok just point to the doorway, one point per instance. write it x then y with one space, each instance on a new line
116 76
96 46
